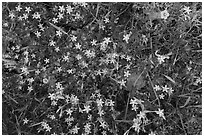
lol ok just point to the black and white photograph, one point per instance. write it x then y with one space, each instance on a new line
101 68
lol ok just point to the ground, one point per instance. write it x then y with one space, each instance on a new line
102 68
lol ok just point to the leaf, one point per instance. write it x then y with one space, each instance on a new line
186 103
169 78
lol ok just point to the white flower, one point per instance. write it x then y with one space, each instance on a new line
165 89
18 8
126 37
86 108
161 96
122 83
61 8
186 10
38 34
45 80
69 111
69 9
127 73
99 102
55 20
93 42
52 96
73 38
59 33
142 115
11 15
160 113
27 9
78 46
136 124
157 88
164 14
75 129
52 43
25 121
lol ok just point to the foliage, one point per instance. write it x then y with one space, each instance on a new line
102 68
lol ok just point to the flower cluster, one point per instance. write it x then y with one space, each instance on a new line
89 68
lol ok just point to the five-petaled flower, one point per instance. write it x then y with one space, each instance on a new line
164 14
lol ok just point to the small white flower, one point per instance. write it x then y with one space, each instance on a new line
160 113
25 121
165 89
157 88
186 10
126 37
164 14
161 96
127 73
45 80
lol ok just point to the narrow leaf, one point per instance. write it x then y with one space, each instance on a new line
169 78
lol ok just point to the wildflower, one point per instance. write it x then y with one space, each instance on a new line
186 10
160 113
128 58
38 34
157 88
30 80
104 132
78 46
59 33
55 20
170 91
18 8
87 128
165 89
74 99
36 15
57 49
164 14
75 130
107 40
126 37
25 121
61 8
69 9
25 16
52 43
99 102
127 73
73 38
52 96
27 9
122 83
11 15
86 108
93 42
66 58
136 124
142 115
30 88
161 96
37 72
52 117
69 119
48 129
103 124
45 80
106 20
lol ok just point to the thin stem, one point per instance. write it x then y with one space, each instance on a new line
154 90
